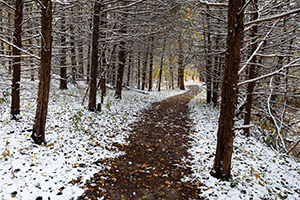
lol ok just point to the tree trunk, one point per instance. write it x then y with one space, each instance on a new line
208 60
161 65
80 60
63 56
38 134
180 66
73 53
216 83
80 54
129 70
216 73
139 71
113 71
15 94
172 78
88 70
151 63
2 48
121 66
222 163
252 74
144 71
103 67
95 57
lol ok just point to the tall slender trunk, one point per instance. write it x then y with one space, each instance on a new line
63 56
216 73
251 70
161 65
139 71
38 134
9 52
222 163
73 53
103 67
121 66
15 93
208 59
80 53
113 70
88 70
172 78
95 57
31 62
2 48
180 66
129 70
151 63
144 70
80 60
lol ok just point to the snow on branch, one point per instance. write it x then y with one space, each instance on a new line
272 17
293 147
243 127
24 51
257 49
268 75
6 4
40 3
213 4
123 7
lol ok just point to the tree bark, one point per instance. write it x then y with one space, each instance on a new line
95 57
139 71
181 66
73 53
144 71
208 61
222 163
252 69
38 134
15 93
216 72
103 67
121 66
63 56
161 65
88 70
172 78
2 20
151 63
129 70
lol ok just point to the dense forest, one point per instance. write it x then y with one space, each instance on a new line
108 54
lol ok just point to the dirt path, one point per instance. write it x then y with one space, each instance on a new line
152 166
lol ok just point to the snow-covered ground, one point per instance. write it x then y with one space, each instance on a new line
258 172
76 139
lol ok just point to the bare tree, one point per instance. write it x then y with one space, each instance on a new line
95 57
222 162
15 94
38 134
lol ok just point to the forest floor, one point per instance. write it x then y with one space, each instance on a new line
152 166
148 145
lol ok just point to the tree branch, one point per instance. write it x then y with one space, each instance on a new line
24 51
268 75
6 4
272 17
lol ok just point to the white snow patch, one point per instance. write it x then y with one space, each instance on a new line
258 172
76 139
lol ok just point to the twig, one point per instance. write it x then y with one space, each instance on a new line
293 147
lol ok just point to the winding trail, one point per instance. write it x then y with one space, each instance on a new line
153 165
